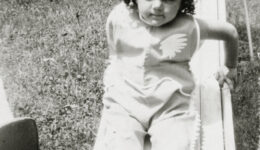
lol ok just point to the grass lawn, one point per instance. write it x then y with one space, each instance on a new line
52 58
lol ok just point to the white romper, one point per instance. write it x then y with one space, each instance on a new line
148 81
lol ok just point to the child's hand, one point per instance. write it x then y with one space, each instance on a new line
229 76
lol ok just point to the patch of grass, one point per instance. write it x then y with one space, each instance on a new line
246 105
52 60
246 97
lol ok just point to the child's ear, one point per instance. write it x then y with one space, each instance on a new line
133 4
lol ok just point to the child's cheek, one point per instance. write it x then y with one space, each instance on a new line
170 13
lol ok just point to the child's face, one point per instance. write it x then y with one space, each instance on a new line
158 12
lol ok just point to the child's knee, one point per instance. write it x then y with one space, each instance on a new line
120 138
119 131
173 133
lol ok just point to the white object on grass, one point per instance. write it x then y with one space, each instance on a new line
5 111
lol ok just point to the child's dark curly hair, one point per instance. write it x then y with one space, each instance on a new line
187 6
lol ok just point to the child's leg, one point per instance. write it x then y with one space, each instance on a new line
176 133
176 126
118 130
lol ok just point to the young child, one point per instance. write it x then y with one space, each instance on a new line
148 83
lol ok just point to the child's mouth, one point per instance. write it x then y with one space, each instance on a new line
157 16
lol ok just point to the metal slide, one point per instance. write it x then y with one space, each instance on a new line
214 104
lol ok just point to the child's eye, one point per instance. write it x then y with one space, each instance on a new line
164 0
169 0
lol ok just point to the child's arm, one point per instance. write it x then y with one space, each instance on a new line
222 31
227 32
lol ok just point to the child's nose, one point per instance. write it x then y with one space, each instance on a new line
157 5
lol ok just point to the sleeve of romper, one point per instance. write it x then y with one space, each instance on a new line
110 34
197 28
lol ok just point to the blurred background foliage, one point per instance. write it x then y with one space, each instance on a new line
53 54
246 97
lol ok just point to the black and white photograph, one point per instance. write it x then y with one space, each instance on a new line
129 75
